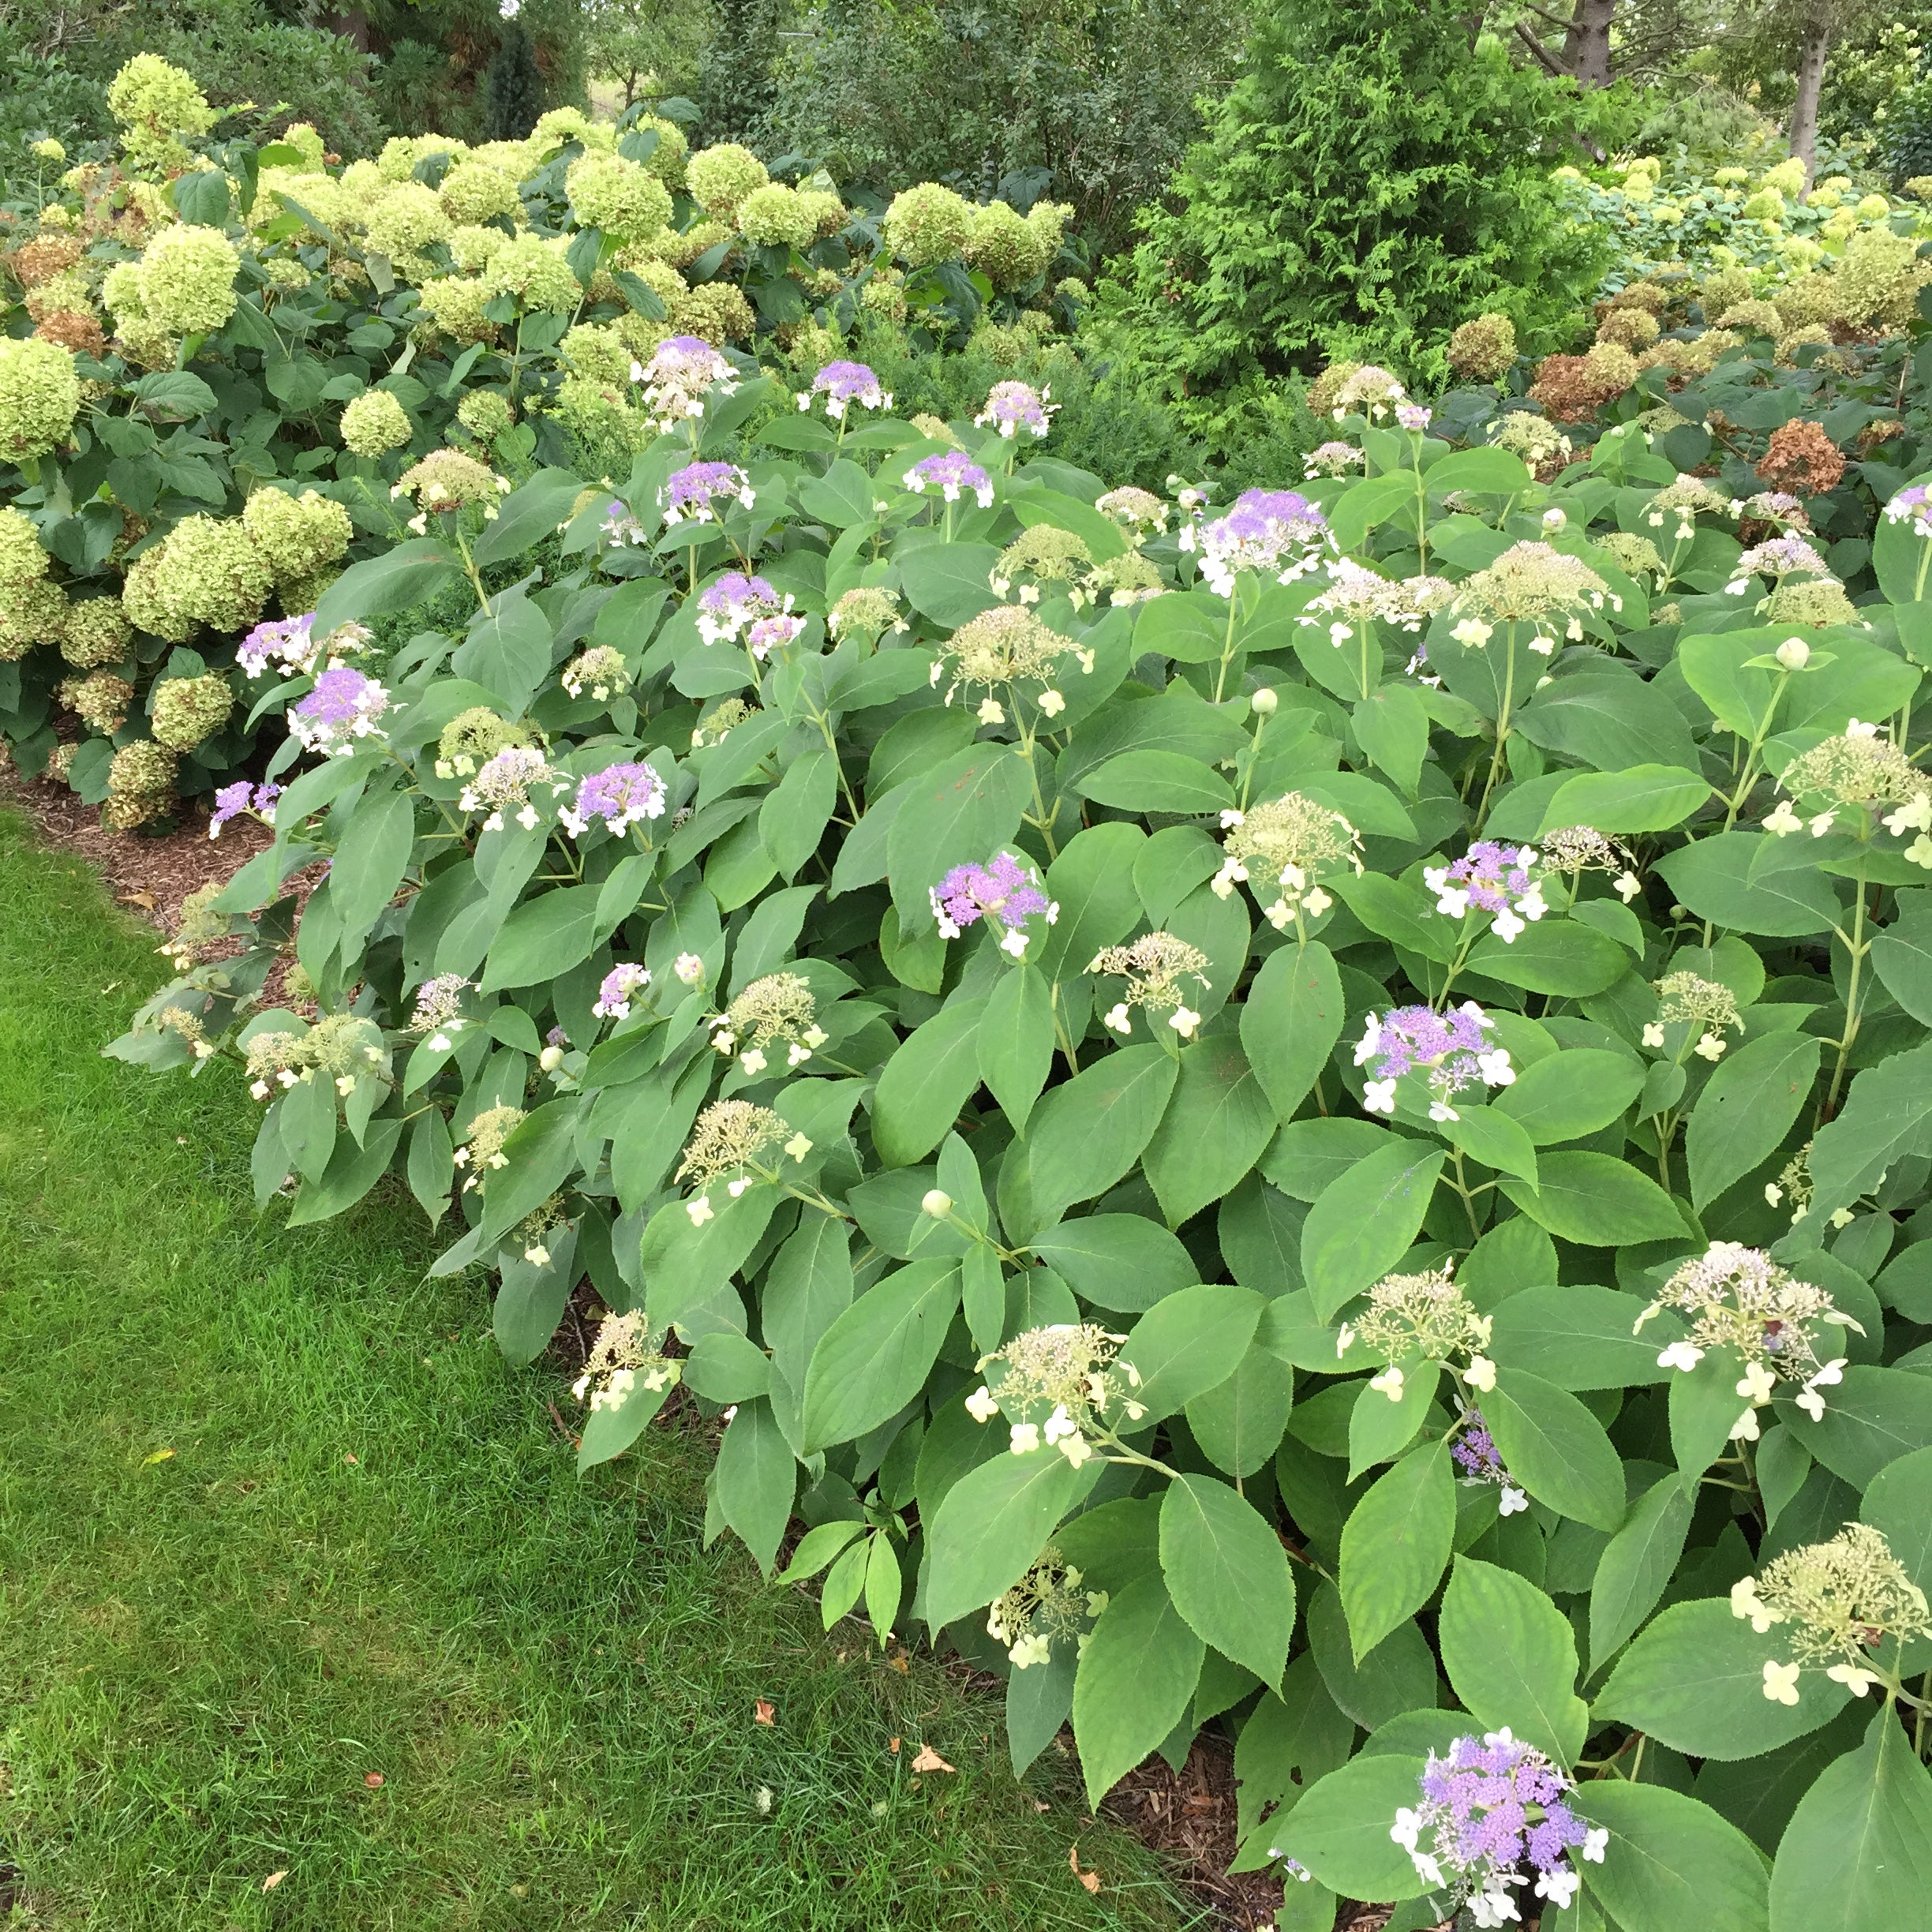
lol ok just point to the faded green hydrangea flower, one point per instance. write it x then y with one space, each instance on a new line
718 723
297 536
1128 578
447 479
473 192
30 614
1812 603
404 222
156 104
39 397
140 784
206 571
598 673
1484 349
1534 438
183 711
1290 842
1705 1009
1139 512
870 610
1003 646
596 351
1856 770
1530 583
486 413
533 269
187 280
100 700
1055 1386
1040 555
22 560
1006 248
720 177
454 305
1633 555
778 1009
716 312
374 423
775 217
472 738
620 197
199 928
96 631
474 248
928 223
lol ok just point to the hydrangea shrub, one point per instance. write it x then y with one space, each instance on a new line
1326 1135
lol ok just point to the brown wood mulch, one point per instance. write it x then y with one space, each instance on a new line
1187 1815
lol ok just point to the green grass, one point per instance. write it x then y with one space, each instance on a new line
275 1517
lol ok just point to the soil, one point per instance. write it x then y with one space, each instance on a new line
1189 1815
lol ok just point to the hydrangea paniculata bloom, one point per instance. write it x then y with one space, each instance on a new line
1263 530
621 985
1448 1049
952 473
1054 1385
728 607
778 1009
682 372
1498 880
345 707
842 384
1738 1299
1292 842
1012 406
1153 966
619 797
1005 892
1489 1809
693 491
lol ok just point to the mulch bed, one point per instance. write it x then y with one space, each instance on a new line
1189 1815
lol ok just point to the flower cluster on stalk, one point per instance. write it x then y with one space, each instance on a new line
1292 842
1913 505
1054 1385
1738 1300
346 707
1154 967
621 985
1530 583
730 1138
1278 530
1500 880
1012 406
1855 771
842 384
1004 647
1474 1452
617 798
1005 892
1357 595
232 800
728 606
776 1010
1048 1605
1705 1009
682 373
1577 849
598 673
953 474
482 1154
625 1355
506 780
693 493
1448 1049
1424 1317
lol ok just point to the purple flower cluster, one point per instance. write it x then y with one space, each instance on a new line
1412 416
620 526
286 642
726 607
1448 1049
345 706
950 472
1913 506
621 985
1491 878
1777 556
1005 892
692 491
843 383
232 800
1474 1452
771 634
677 377
1012 406
1261 529
619 797
1488 1809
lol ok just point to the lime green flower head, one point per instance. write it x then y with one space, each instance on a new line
714 311
454 305
22 560
560 125
297 536
48 150
473 192
1766 204
302 135
39 397
1006 248
928 223
405 222
1872 207
619 197
397 162
721 177
667 160
96 632
534 270
140 784
285 272
30 614
206 571
829 214
474 246
374 423
183 711
187 280
156 104
1787 179
596 351
776 216
486 413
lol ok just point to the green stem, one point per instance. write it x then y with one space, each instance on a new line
1497 756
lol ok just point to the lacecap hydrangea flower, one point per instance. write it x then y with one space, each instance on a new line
1055 1386
1012 406
621 985
728 606
1005 892
1854 772
1291 843
778 1009
618 797
1473 1450
1154 967
731 1140
1048 1605
842 384
624 1357
1263 530
1422 1317
1002 647
694 491
346 707
952 474
1498 879
1449 1052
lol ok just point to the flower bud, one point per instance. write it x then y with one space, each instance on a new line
1554 518
1794 654
1265 702
551 1058
937 1204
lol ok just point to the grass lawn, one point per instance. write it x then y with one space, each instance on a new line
297 1578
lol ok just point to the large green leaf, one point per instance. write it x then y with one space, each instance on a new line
994 1520
929 1078
1340 1828
1189 1343
1291 1021
1596 1200
874 1358
1556 1449
1747 1108
1671 1863
1636 1567
1511 1655
1395 1545
965 809
1227 1574
1214 1130
1136 1677
1362 1223
1086 1135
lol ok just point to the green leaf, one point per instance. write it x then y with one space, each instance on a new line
1395 1545
1362 1224
381 586
946 581
529 514
540 1153
1135 1680
508 650
1150 782
608 1432
1553 955
923 1086
1902 954
370 862
1712 877
1556 1449
1188 1343
544 938
1485 470
1016 1042
1693 1680
1635 1566
1118 1261
967 808
1578 1338
1643 798
1380 1429
1398 1675
1747 1108
1874 1417
991 1524
1671 1863
1596 1200
1340 1828
1511 1655
1213 1132
1237 1424
1086 1135
1858 1852
1227 1574
1092 883
1882 1120
875 1357
1898 1503
757 1475
1290 1022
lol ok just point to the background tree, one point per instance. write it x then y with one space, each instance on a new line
514 93
737 78
635 43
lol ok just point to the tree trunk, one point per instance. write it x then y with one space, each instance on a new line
1586 44
1817 46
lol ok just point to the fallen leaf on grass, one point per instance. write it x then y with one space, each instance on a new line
351 1459
1090 1879
144 900
894 1748
929 1760
902 1663
273 1880
764 1712
373 1780
159 1455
